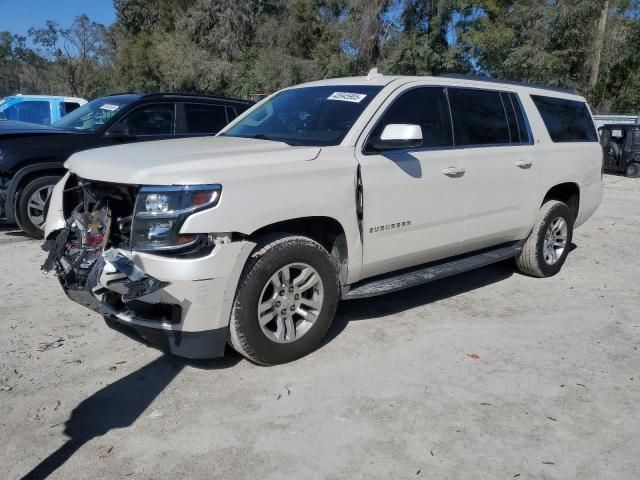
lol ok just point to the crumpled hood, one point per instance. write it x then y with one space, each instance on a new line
186 161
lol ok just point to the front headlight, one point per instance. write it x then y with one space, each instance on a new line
160 212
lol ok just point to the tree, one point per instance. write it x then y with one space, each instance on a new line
79 55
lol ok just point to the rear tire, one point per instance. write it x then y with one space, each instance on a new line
547 246
288 328
33 203
633 170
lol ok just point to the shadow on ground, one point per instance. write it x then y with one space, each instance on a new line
384 305
119 405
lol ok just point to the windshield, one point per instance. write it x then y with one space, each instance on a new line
318 116
93 115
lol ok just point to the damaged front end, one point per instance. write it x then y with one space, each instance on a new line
86 248
118 250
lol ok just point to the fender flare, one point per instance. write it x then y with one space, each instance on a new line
17 178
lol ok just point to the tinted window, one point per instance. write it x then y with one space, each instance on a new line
70 107
319 116
30 111
150 120
231 113
478 117
202 118
511 118
566 120
523 126
426 107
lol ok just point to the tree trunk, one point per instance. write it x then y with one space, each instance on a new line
599 43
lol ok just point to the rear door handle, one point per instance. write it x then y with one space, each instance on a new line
524 163
454 171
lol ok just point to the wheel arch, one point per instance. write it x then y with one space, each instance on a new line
568 193
24 175
327 231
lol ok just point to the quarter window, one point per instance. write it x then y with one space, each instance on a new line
566 120
478 117
427 107
70 107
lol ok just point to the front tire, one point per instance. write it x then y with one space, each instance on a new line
633 170
285 301
33 203
547 246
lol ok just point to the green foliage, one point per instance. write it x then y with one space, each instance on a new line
250 47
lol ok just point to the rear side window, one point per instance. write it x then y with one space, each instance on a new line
202 118
479 117
427 107
566 120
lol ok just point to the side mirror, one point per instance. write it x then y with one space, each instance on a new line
120 131
398 135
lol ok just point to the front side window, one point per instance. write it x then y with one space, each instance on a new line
478 117
566 120
319 116
155 119
203 118
92 116
30 111
424 106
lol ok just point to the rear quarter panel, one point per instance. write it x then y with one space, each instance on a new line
564 162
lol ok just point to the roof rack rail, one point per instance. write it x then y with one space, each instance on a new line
194 94
478 78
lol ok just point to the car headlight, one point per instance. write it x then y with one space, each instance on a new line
161 211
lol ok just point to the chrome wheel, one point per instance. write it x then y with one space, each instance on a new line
36 205
290 302
555 240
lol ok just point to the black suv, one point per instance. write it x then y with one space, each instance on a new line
621 144
32 156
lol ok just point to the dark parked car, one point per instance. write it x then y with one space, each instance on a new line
621 144
32 156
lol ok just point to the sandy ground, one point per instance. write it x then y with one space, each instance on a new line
395 392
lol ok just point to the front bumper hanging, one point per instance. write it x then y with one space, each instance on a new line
111 284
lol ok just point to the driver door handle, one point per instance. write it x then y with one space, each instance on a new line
454 171
524 163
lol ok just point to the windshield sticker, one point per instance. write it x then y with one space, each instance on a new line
347 97
109 107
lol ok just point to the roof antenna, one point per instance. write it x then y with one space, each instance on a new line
373 73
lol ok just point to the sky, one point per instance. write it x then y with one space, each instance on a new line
17 16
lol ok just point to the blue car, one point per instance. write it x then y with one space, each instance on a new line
40 109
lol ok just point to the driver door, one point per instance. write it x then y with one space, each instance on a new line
414 199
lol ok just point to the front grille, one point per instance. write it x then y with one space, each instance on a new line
88 195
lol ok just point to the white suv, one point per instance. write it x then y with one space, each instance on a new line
337 189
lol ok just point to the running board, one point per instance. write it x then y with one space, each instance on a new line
388 284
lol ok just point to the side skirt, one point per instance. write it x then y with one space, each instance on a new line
430 272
